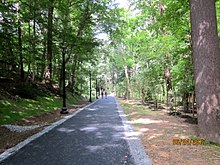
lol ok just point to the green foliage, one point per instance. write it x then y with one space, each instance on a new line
147 43
14 110
139 109
75 25
133 60
218 16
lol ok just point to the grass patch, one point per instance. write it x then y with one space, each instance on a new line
87 96
138 109
212 144
12 110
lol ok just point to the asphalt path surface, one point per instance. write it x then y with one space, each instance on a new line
97 135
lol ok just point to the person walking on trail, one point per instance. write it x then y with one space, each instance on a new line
106 94
102 94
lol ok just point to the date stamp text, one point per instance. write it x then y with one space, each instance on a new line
182 141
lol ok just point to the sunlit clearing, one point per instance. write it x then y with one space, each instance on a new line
182 125
130 134
143 129
89 129
66 130
181 136
48 98
5 102
92 109
147 121
155 136
123 115
101 147
122 3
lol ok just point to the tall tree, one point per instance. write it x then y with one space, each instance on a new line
50 36
20 43
206 56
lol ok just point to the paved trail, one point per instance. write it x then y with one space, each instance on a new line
97 135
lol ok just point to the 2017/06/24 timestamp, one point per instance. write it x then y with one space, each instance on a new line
179 141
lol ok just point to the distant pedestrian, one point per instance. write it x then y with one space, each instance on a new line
106 94
102 94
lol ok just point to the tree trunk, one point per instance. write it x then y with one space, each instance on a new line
34 53
43 64
73 73
142 95
206 56
185 101
20 43
128 90
75 61
61 79
49 37
167 77
193 102
20 47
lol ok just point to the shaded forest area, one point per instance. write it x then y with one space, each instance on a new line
37 39
153 50
35 35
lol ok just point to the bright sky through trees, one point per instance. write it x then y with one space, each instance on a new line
122 3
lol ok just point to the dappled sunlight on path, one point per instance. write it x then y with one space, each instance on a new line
98 134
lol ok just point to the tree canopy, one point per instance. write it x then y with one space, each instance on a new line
146 54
